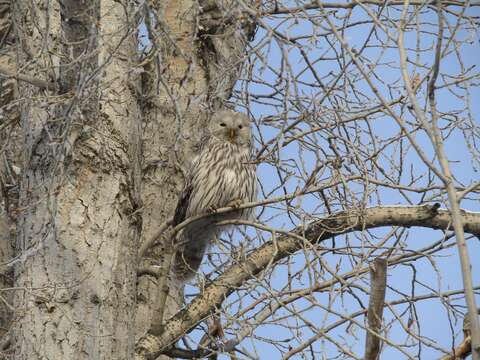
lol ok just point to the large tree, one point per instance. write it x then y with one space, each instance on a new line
365 129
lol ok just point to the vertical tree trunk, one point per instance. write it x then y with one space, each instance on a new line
95 168
77 232
199 53
9 190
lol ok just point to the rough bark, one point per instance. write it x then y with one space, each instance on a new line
7 63
8 171
77 231
81 163
6 296
9 116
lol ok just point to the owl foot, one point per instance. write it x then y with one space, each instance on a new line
235 203
212 209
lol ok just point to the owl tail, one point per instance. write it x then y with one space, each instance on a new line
190 254
187 263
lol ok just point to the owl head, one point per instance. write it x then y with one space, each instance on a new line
231 126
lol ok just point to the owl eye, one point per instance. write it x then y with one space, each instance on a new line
240 126
223 124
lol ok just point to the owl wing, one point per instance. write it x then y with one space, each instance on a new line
186 195
182 205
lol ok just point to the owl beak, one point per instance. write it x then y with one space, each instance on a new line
232 134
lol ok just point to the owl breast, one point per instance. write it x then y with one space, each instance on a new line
229 176
226 178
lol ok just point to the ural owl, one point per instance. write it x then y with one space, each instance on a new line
221 175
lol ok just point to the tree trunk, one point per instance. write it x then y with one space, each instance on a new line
8 181
78 230
96 172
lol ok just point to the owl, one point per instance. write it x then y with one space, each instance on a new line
221 175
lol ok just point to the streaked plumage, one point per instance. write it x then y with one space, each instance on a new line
221 174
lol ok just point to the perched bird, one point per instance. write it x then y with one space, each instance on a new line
221 175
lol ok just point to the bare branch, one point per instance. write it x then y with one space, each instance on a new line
350 5
41 84
378 280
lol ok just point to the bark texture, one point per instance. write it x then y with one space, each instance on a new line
7 56
8 116
77 232
93 166
378 286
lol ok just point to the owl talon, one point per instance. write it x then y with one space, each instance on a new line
235 203
211 209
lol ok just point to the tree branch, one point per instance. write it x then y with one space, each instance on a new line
350 5
155 239
41 84
378 280
428 216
